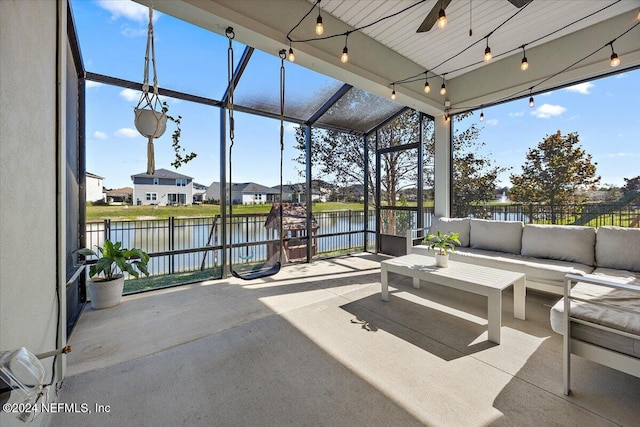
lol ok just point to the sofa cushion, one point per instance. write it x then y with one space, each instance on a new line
502 236
620 276
618 247
453 225
626 320
547 271
566 243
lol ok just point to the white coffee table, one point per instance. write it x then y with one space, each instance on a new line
486 281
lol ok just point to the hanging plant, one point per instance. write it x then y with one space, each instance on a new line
151 115
175 138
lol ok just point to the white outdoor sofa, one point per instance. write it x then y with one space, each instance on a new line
596 271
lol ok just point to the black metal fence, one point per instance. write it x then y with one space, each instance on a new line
183 245
178 245
592 215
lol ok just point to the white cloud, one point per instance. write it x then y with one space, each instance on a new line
492 122
291 127
583 88
130 32
546 93
99 135
128 10
618 155
127 133
130 94
517 114
90 83
546 111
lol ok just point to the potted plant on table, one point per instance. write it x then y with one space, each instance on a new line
442 244
105 290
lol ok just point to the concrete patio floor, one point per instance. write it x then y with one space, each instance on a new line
315 346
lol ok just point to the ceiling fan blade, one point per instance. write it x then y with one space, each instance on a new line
518 3
432 17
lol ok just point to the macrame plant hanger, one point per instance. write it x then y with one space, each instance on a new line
275 268
150 115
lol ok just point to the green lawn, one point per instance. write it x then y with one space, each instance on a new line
98 213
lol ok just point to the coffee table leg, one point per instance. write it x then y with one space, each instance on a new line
519 298
494 314
416 283
384 282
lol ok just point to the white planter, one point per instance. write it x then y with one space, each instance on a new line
105 294
442 260
150 123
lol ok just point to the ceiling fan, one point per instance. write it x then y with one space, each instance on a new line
437 14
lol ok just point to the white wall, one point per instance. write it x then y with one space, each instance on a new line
94 189
28 274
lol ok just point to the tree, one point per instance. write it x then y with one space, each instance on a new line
474 174
341 155
554 172
631 184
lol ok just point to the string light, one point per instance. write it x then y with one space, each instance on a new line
427 88
470 13
344 58
524 65
531 101
481 116
443 88
487 52
319 26
292 57
615 61
393 92
442 17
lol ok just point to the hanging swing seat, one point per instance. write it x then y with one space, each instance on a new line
271 270
258 274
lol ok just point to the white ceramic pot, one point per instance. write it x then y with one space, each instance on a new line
442 260
150 123
105 294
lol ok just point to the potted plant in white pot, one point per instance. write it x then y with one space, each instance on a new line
105 290
442 244
151 114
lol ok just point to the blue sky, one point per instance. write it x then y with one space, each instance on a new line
605 112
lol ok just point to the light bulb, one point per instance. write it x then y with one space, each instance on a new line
442 19
427 88
524 66
319 26
615 61
344 58
481 116
487 54
292 57
531 102
393 94
443 89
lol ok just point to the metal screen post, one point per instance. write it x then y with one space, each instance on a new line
366 193
420 189
171 243
223 189
308 193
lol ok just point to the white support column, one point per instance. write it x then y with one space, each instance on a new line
442 189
